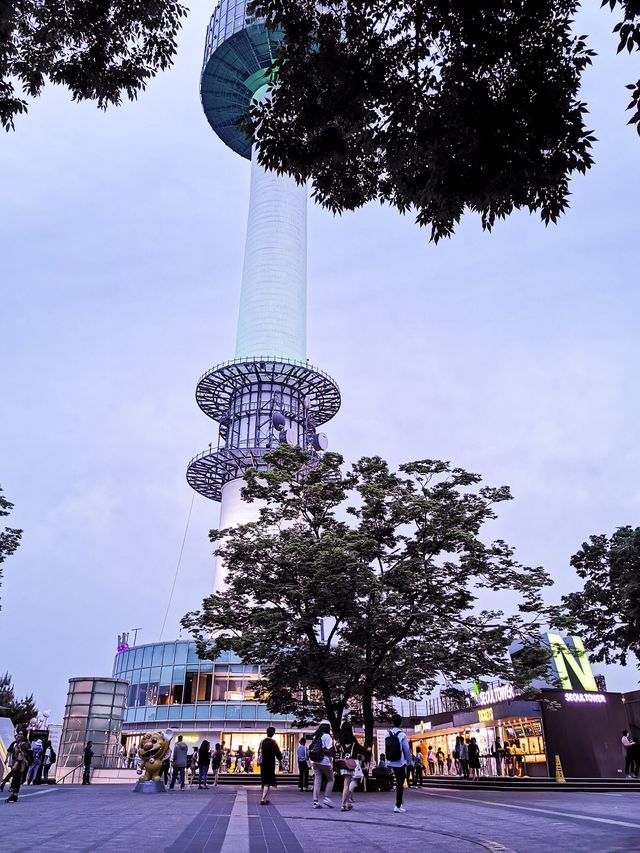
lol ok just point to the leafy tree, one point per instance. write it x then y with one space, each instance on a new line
353 588
9 536
607 609
432 106
100 50
21 711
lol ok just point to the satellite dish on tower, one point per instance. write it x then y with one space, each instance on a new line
288 436
320 441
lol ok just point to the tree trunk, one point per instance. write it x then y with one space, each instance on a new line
368 716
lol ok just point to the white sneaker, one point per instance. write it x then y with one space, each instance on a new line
316 805
328 803
398 809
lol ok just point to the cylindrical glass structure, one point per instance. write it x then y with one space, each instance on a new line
94 712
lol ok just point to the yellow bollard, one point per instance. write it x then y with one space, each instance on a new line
559 774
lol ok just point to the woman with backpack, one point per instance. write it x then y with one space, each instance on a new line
216 763
321 753
348 751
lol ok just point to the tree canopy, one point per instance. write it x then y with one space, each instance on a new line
356 587
432 107
607 609
101 50
21 711
9 536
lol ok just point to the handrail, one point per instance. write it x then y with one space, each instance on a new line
61 780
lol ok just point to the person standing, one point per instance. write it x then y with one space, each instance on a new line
179 758
204 757
498 754
474 759
634 758
193 765
133 751
268 753
216 763
626 743
49 759
302 756
449 763
431 761
87 757
122 757
398 758
321 753
21 753
347 752
419 772
464 757
164 769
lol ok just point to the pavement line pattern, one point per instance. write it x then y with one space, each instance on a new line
236 839
572 815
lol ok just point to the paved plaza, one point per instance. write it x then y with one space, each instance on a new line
230 819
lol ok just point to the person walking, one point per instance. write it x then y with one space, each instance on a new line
164 769
321 753
302 756
216 763
49 759
21 754
348 751
37 752
179 758
268 753
133 751
627 742
396 747
87 757
204 757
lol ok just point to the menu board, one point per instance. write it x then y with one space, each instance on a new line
528 730
537 728
519 731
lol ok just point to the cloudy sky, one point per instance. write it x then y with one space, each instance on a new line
514 354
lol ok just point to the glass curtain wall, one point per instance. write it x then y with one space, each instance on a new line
94 712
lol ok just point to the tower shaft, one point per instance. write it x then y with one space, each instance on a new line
272 320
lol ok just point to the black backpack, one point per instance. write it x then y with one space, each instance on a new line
52 757
316 750
392 748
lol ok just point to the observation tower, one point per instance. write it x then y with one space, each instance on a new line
268 394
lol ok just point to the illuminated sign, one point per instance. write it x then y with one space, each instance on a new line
123 641
502 693
586 698
571 664
422 727
485 715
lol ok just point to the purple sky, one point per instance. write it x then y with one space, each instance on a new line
513 354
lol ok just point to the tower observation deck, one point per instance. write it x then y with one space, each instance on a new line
268 394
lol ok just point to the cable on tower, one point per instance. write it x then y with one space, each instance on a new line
175 577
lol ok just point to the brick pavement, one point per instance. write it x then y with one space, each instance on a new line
109 818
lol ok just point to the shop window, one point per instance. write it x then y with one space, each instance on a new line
133 695
190 687
164 691
176 694
142 694
219 688
152 693
204 687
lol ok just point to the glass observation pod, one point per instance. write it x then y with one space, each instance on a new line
169 686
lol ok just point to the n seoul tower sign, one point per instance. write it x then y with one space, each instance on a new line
268 394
